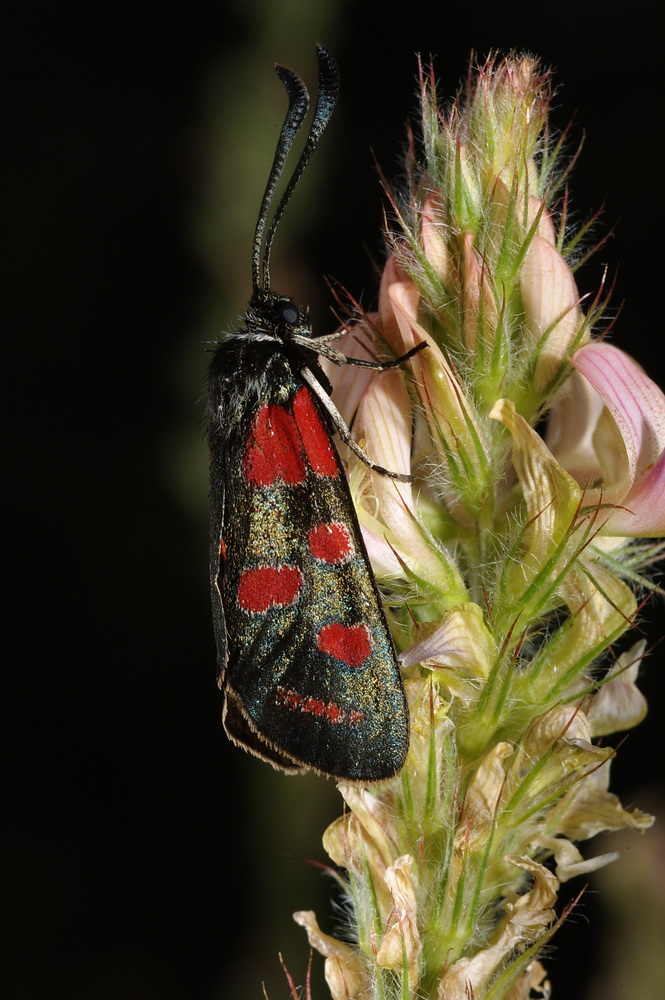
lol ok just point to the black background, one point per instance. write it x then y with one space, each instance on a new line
142 856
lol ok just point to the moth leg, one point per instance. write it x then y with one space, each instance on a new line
344 431
321 346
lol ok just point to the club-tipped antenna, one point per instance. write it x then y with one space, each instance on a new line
298 104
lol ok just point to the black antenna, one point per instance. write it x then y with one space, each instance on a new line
298 105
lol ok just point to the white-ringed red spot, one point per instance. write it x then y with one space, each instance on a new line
351 644
265 587
330 542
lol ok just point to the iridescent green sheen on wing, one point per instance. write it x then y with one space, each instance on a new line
288 698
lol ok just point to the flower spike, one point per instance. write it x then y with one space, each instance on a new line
505 562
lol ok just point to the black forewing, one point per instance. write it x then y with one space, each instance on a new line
293 695
228 420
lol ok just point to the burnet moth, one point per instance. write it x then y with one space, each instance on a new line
306 661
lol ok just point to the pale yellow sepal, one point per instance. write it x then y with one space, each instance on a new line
525 920
345 974
619 704
430 725
373 814
400 944
551 496
448 410
482 798
362 841
602 607
554 759
461 650
533 982
592 809
569 861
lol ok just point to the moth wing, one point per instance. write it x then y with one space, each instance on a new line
236 722
308 665
238 728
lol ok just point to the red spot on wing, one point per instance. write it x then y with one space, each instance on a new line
355 717
316 439
351 644
274 449
314 706
222 549
268 587
330 542
336 714
329 710
291 699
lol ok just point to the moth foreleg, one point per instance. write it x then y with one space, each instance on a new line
344 431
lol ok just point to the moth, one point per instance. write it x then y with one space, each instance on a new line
305 657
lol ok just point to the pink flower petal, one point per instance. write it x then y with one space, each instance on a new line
551 307
382 557
570 430
638 408
349 382
643 513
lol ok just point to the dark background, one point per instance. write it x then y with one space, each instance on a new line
142 856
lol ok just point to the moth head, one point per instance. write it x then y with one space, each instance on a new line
276 316
286 313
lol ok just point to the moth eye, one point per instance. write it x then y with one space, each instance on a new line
286 312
